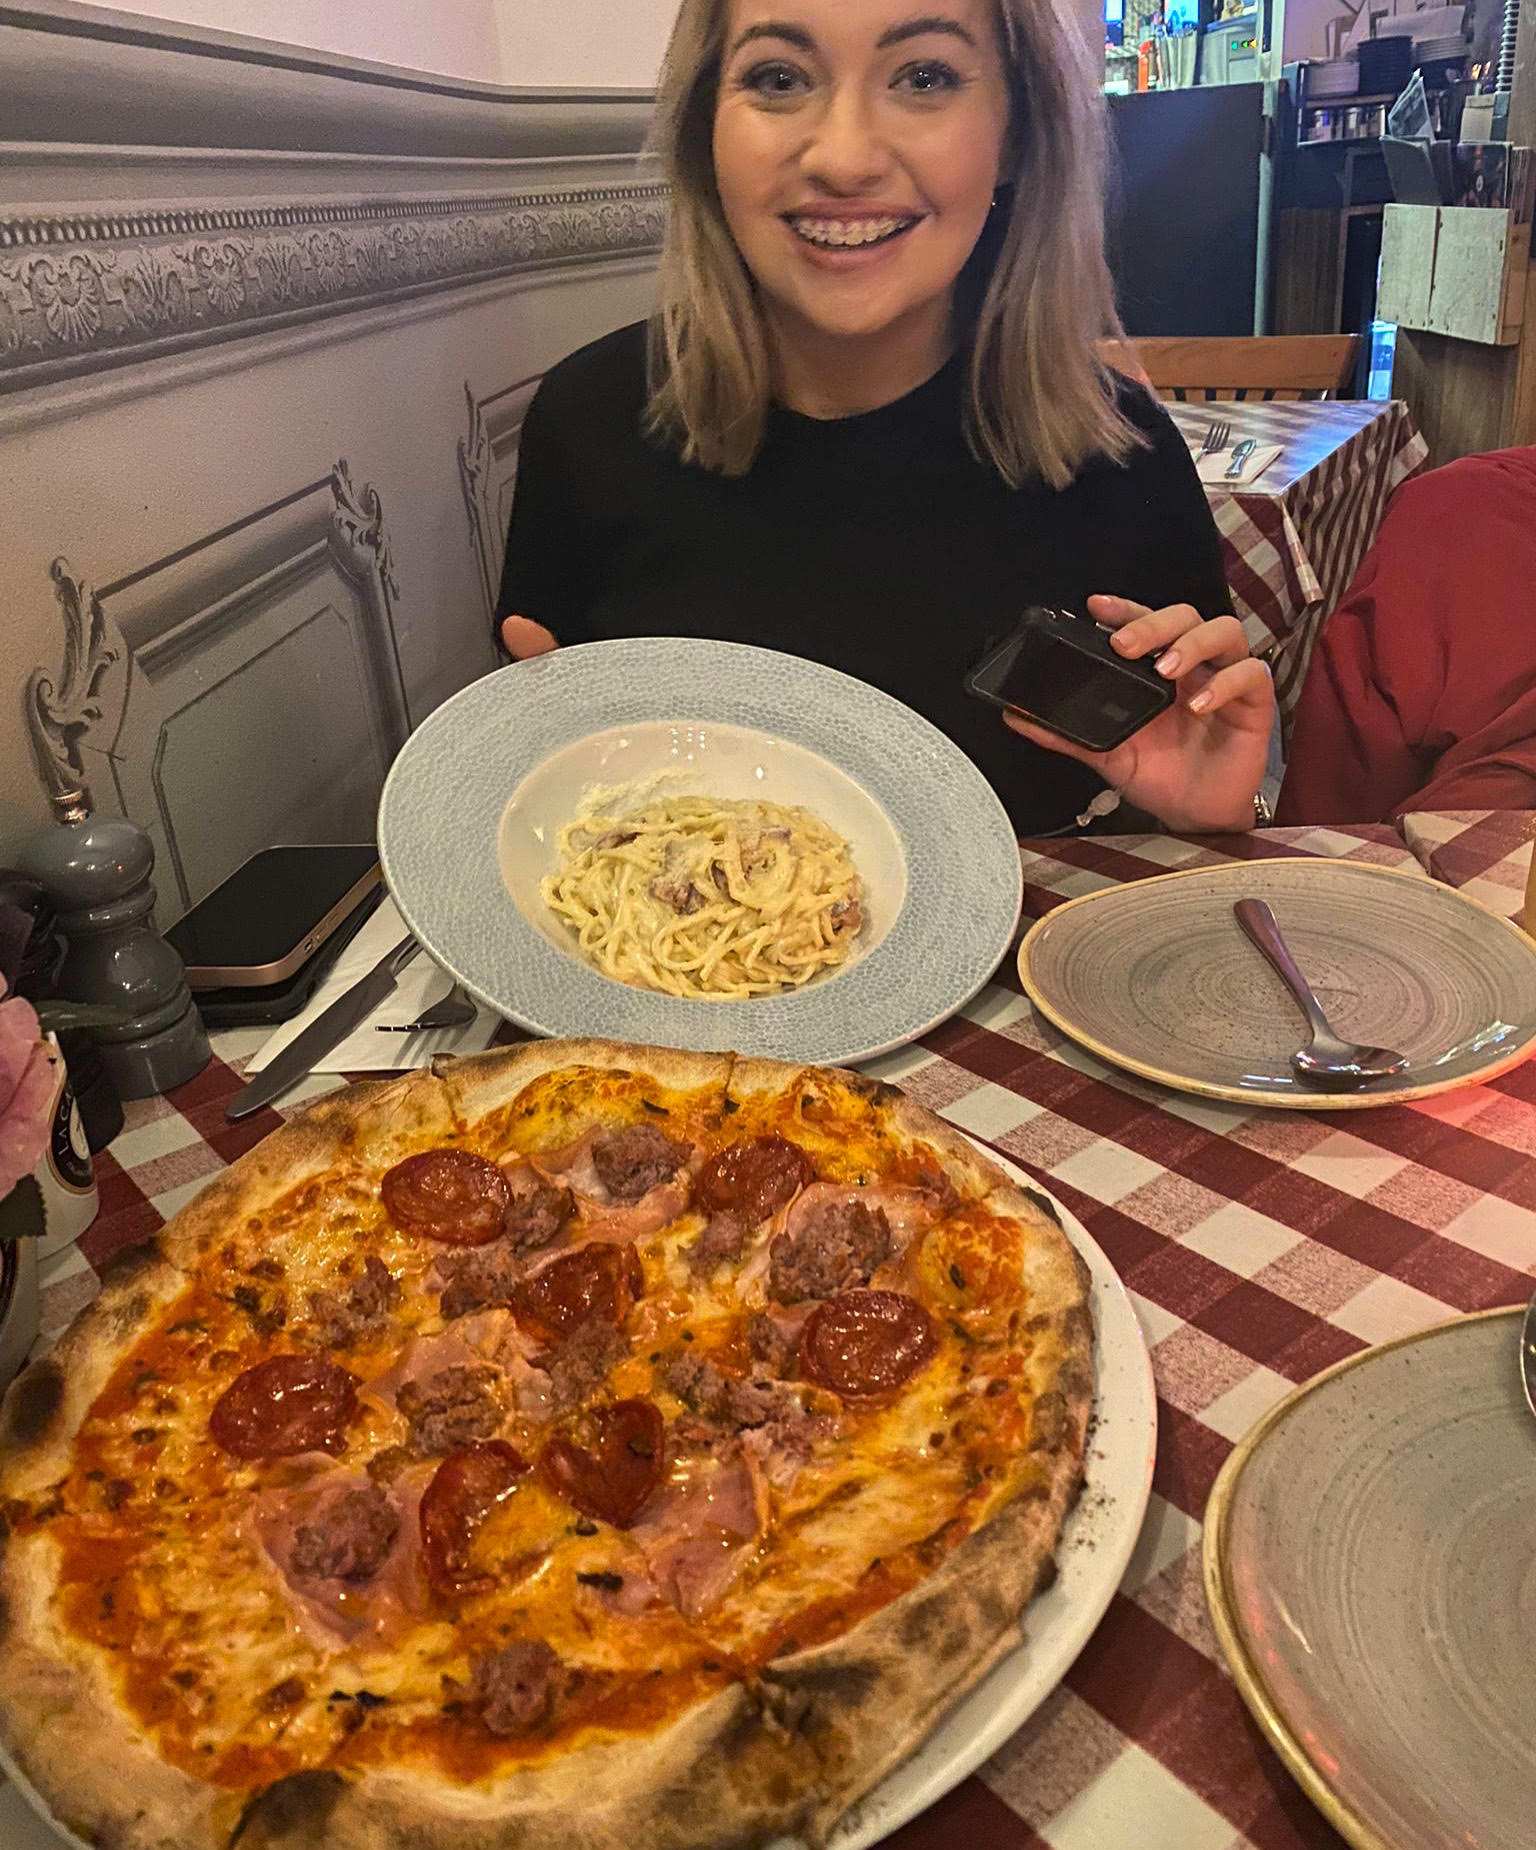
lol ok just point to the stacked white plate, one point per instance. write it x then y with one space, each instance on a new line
1332 77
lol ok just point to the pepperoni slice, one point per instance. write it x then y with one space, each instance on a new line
597 1280
283 1406
465 1488
753 1177
865 1344
613 1478
449 1195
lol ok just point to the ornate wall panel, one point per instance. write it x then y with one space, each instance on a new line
264 701
488 471
222 267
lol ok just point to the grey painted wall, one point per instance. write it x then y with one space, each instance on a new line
264 400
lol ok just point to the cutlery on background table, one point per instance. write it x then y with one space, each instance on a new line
1528 1353
1218 435
455 1010
298 1058
1240 454
1326 1062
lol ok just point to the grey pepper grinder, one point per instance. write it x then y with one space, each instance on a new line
96 870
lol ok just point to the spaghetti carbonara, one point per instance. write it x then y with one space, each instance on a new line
706 897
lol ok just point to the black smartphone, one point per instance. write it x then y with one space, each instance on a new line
1059 670
261 925
265 1004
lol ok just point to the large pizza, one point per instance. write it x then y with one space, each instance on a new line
583 1446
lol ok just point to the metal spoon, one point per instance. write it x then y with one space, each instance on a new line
1528 1354
1240 454
1326 1061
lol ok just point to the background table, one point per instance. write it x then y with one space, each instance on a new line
1258 1246
1293 540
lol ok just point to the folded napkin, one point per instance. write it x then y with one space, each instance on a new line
365 1050
1213 469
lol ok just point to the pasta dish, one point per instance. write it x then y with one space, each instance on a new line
708 897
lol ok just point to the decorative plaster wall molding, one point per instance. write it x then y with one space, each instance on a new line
63 714
79 293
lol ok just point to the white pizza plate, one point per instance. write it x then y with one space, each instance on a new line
471 814
1096 1546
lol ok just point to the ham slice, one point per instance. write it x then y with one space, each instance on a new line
598 1216
486 1336
908 1211
341 1611
697 1532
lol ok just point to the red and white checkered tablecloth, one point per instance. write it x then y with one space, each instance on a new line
1259 1247
1292 541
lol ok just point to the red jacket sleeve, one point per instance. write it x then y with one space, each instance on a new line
1421 692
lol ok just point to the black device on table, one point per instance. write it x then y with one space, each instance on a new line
257 946
1059 670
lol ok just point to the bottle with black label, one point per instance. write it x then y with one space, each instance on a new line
66 1175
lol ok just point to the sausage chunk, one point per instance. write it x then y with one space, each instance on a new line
536 1212
348 1538
834 1249
729 1401
482 1280
771 1344
583 1362
520 1687
360 1308
721 1243
456 1407
630 1163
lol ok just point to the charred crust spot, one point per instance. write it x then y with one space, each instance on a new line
129 1262
1046 1206
295 1810
285 1695
660 1110
33 1402
1048 1425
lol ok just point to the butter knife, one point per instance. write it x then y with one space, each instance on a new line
298 1058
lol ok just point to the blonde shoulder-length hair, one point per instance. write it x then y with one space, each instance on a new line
1036 291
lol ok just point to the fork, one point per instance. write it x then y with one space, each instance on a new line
1217 436
454 1011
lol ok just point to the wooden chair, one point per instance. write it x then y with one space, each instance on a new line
1198 367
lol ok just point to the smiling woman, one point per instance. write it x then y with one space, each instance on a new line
867 423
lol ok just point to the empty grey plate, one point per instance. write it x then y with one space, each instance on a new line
1370 1562
1157 977
473 806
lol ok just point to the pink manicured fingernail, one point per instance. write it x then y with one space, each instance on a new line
1168 662
1119 640
1200 702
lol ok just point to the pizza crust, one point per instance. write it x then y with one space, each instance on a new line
729 1774
47 1401
486 1082
390 1117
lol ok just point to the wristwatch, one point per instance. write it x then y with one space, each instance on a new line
1263 815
